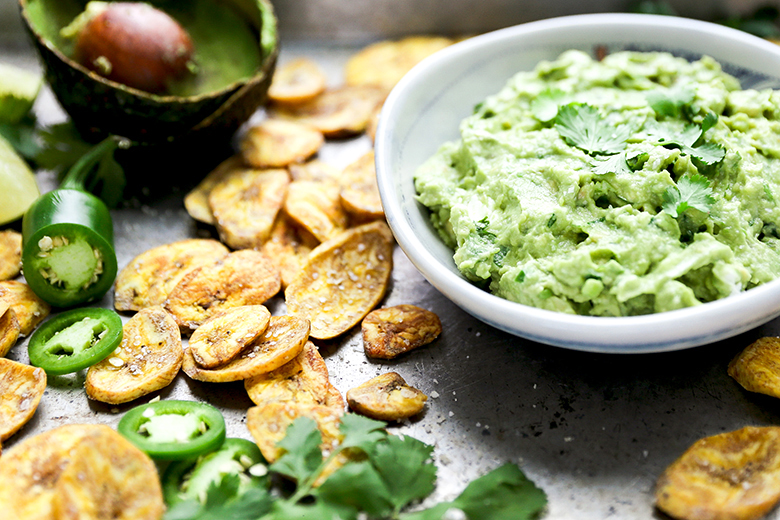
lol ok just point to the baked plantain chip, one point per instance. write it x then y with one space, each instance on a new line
245 204
147 360
148 279
222 337
386 397
21 389
30 310
288 247
359 190
757 368
733 475
196 202
297 81
391 331
315 170
303 380
30 470
342 280
10 330
10 254
108 478
316 207
281 342
384 63
336 113
245 277
277 143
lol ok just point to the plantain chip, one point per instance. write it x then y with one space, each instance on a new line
277 143
148 279
392 331
359 190
343 279
245 204
281 342
147 360
757 368
10 329
30 310
10 254
108 478
386 397
196 202
337 113
384 63
303 380
245 277
222 337
288 247
297 81
316 207
30 470
315 170
21 389
733 475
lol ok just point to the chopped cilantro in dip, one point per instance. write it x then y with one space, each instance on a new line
637 184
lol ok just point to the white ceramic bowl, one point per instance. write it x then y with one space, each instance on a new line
424 111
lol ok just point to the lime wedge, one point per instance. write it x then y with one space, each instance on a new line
18 90
19 189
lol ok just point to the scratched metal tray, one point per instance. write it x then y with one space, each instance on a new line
593 430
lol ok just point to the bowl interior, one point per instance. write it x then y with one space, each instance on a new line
427 106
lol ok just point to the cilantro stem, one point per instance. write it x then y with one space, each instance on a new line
304 488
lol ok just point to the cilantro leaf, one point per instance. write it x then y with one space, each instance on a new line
361 432
690 192
544 107
616 164
670 102
708 153
302 455
357 485
503 493
582 126
406 468
22 136
284 510
222 501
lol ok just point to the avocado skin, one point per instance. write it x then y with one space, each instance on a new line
101 107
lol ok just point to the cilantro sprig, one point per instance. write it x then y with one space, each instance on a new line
582 126
690 141
388 474
690 192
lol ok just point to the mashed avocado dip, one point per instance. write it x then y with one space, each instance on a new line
641 183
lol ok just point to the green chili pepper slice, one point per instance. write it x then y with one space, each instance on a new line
174 430
68 253
190 479
74 340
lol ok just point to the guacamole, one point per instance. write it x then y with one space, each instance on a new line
637 184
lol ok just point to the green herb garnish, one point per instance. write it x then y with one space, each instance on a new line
582 126
690 192
671 102
689 142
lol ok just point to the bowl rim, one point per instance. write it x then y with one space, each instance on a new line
628 334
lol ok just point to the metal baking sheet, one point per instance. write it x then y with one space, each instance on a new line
593 430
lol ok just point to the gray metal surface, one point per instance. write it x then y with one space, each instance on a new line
593 430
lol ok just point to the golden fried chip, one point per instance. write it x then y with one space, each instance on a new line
316 207
336 113
734 475
245 277
281 342
343 280
21 389
147 360
386 398
10 254
30 470
303 380
222 337
757 368
196 202
315 170
391 331
10 330
149 278
108 478
288 247
384 63
359 190
297 81
276 143
30 310
245 204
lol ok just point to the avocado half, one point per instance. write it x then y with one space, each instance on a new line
236 46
